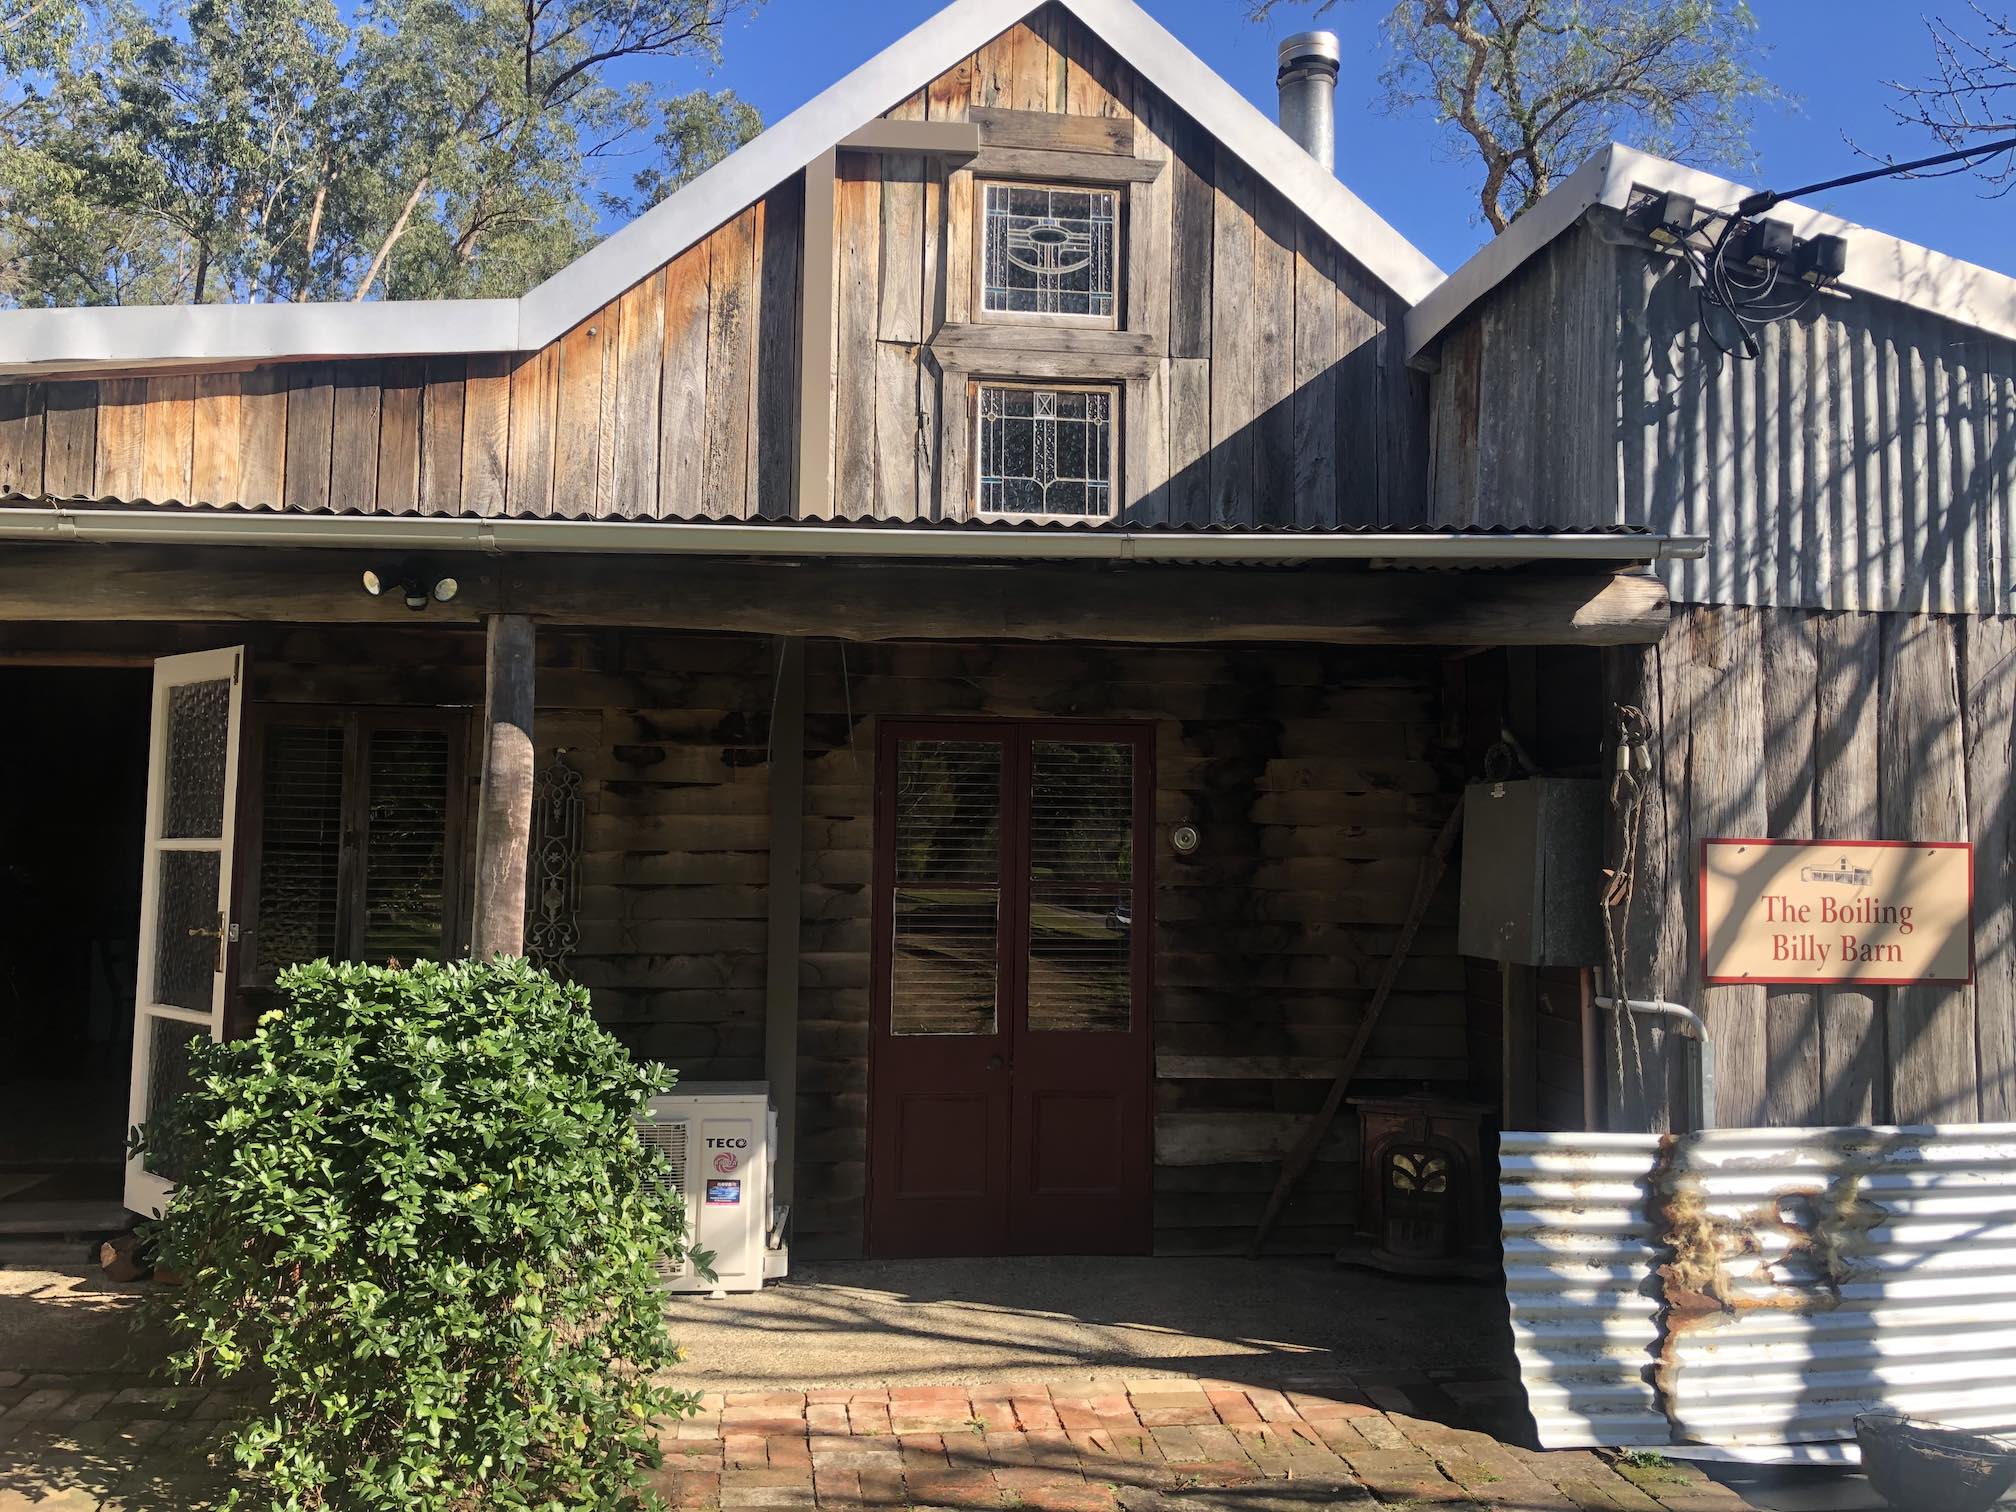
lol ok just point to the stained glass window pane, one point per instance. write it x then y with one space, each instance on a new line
1046 451
199 727
1049 251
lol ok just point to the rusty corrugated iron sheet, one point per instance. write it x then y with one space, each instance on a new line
1749 1291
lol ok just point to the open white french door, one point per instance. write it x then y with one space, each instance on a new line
185 888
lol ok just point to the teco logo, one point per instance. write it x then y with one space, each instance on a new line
725 1162
727 1144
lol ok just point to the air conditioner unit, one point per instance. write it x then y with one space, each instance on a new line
718 1141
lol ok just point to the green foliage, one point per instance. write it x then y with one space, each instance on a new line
695 131
1533 88
236 150
413 1209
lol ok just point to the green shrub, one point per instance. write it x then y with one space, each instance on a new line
412 1208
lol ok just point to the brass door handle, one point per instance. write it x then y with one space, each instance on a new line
198 932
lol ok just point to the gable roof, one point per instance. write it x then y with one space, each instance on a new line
75 339
1879 265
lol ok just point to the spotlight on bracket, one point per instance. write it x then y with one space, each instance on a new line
1762 243
419 587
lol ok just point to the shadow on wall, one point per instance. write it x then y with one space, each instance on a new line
1834 725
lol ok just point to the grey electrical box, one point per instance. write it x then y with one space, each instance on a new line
1533 872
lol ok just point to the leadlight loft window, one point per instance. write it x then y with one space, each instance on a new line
1049 251
1046 452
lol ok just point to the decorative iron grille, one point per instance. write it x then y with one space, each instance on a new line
553 933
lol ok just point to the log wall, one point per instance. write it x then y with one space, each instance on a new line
1316 777
1317 780
1265 381
1791 723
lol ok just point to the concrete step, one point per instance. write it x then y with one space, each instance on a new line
83 1220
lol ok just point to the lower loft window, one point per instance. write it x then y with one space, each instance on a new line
1046 453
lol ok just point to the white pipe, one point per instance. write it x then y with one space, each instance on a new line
180 526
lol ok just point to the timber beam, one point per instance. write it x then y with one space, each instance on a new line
853 600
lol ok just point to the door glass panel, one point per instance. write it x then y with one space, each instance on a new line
199 724
1081 887
948 812
168 1070
301 836
185 941
1081 813
945 958
405 858
946 962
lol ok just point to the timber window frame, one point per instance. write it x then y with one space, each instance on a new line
1099 417
345 905
990 277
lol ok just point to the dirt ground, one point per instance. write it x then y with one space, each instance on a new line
954 1321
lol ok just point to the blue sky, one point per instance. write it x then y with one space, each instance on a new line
1835 72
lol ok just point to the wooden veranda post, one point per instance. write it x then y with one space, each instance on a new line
787 841
504 815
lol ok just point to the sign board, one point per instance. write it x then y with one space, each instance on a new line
1875 912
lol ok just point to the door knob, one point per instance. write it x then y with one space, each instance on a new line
993 1063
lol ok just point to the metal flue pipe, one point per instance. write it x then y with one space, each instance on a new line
1307 81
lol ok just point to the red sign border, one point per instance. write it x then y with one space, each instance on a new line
1850 984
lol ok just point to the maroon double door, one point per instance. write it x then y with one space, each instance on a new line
1010 1076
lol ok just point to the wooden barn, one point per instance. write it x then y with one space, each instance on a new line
977 612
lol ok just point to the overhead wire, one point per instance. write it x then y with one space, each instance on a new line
1749 297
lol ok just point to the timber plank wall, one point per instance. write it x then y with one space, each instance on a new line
1265 381
1795 724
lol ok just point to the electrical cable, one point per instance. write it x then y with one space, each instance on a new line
1750 298
1765 199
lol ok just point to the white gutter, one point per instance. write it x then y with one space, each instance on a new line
737 538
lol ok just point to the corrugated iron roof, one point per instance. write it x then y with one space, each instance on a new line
1624 533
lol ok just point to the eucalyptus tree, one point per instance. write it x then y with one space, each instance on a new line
1969 97
1530 88
298 149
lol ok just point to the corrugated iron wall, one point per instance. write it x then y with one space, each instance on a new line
1744 1289
1867 460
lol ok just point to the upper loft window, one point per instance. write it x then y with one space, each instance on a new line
1050 251
1045 453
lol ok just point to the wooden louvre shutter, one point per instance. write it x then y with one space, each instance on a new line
406 845
358 839
300 903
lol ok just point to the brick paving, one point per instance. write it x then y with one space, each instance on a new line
111 1443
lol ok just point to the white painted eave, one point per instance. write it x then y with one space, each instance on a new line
1879 265
44 342
192 527
124 337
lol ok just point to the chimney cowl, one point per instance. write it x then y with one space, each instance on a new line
1307 81
1312 48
